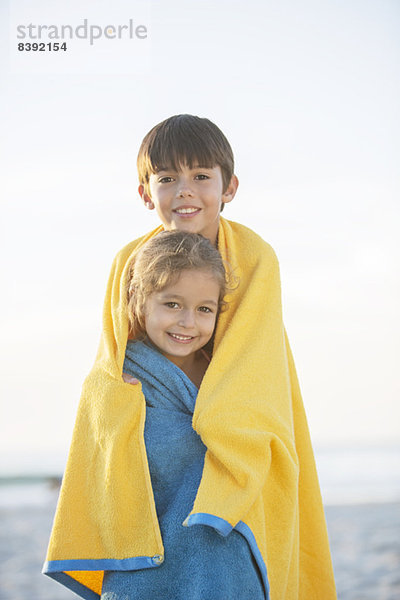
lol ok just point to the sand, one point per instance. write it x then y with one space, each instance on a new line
365 545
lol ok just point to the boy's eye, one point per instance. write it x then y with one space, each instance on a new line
202 177
165 180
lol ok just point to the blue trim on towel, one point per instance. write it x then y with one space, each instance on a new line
55 569
223 527
248 534
220 525
100 564
73 585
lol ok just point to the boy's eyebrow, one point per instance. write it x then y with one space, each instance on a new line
165 170
171 168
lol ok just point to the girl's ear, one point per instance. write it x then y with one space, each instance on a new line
145 197
231 190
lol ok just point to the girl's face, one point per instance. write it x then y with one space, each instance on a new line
180 319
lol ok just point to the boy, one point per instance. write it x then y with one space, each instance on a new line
259 474
187 184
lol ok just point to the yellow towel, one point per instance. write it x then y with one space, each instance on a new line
259 471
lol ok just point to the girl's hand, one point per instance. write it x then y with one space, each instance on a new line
129 379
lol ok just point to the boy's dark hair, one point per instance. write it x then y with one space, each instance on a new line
184 139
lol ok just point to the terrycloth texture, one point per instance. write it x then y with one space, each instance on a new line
259 470
199 563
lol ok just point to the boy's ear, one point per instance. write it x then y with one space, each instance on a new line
145 197
231 190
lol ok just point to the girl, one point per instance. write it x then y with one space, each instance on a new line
172 266
175 294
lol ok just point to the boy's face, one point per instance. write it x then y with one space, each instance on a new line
189 199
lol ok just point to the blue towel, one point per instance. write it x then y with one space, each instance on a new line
199 563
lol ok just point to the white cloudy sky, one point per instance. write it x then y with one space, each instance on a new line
308 94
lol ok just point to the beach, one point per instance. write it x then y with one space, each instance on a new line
365 544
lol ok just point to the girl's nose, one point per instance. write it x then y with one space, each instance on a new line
186 319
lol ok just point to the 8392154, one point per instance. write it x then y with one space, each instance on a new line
42 46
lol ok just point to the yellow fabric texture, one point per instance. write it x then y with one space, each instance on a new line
259 466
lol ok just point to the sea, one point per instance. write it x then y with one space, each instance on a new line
347 475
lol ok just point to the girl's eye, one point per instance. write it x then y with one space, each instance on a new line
205 309
165 180
172 304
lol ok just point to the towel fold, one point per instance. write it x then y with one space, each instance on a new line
259 474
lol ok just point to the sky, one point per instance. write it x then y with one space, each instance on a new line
308 95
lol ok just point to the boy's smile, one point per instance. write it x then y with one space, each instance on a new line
189 199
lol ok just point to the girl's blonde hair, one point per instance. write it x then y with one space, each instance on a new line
159 263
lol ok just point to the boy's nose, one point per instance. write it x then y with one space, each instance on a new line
184 189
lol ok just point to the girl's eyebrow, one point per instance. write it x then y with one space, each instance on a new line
170 295
165 296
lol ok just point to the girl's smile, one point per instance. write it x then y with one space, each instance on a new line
183 339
